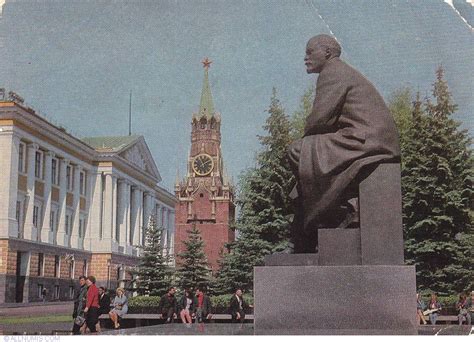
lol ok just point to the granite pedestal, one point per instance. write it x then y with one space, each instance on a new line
334 300
356 284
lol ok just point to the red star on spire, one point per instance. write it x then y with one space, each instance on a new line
206 63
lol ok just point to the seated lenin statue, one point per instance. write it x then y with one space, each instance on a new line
349 130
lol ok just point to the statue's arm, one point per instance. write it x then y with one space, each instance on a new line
330 96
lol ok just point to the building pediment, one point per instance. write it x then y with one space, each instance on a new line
140 156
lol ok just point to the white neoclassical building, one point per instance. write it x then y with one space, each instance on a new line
72 206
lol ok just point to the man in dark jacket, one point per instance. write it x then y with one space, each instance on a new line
203 306
238 306
168 305
104 305
348 129
104 301
79 304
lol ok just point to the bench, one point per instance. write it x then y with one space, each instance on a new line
445 318
135 320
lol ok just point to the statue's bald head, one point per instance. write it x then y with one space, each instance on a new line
327 42
319 50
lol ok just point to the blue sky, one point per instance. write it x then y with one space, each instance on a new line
76 61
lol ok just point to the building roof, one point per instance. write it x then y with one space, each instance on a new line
111 144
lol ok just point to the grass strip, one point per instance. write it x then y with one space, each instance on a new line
39 319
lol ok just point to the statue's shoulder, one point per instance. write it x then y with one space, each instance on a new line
337 69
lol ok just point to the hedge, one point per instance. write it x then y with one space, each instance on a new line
149 304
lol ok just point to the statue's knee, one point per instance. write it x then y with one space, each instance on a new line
294 149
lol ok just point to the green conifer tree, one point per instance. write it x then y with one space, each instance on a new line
298 119
265 213
437 173
193 270
154 274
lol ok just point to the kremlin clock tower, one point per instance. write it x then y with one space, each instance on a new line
205 196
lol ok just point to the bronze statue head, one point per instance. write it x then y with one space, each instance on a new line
319 50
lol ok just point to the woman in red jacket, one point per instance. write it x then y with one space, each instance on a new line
92 304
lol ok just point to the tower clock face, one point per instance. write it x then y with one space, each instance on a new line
203 164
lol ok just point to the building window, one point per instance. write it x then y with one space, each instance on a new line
52 220
36 215
40 264
68 223
21 158
18 211
56 292
168 239
118 273
56 266
71 292
40 290
82 227
66 227
82 183
39 164
163 213
69 182
84 268
54 171
71 269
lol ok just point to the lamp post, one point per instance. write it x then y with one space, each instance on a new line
108 273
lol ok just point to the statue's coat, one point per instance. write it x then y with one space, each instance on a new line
350 127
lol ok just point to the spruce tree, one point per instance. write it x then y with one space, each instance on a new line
153 271
437 173
193 270
298 119
265 213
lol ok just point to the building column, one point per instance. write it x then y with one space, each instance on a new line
124 213
136 216
76 208
171 231
115 195
46 226
148 212
9 152
109 217
158 215
139 221
94 219
61 236
30 231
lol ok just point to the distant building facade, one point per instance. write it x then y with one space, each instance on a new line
205 195
71 207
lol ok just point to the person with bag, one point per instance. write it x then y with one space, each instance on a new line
120 307
420 307
434 307
79 304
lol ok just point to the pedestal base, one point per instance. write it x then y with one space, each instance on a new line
335 300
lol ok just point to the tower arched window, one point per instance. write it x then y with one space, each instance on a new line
203 124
